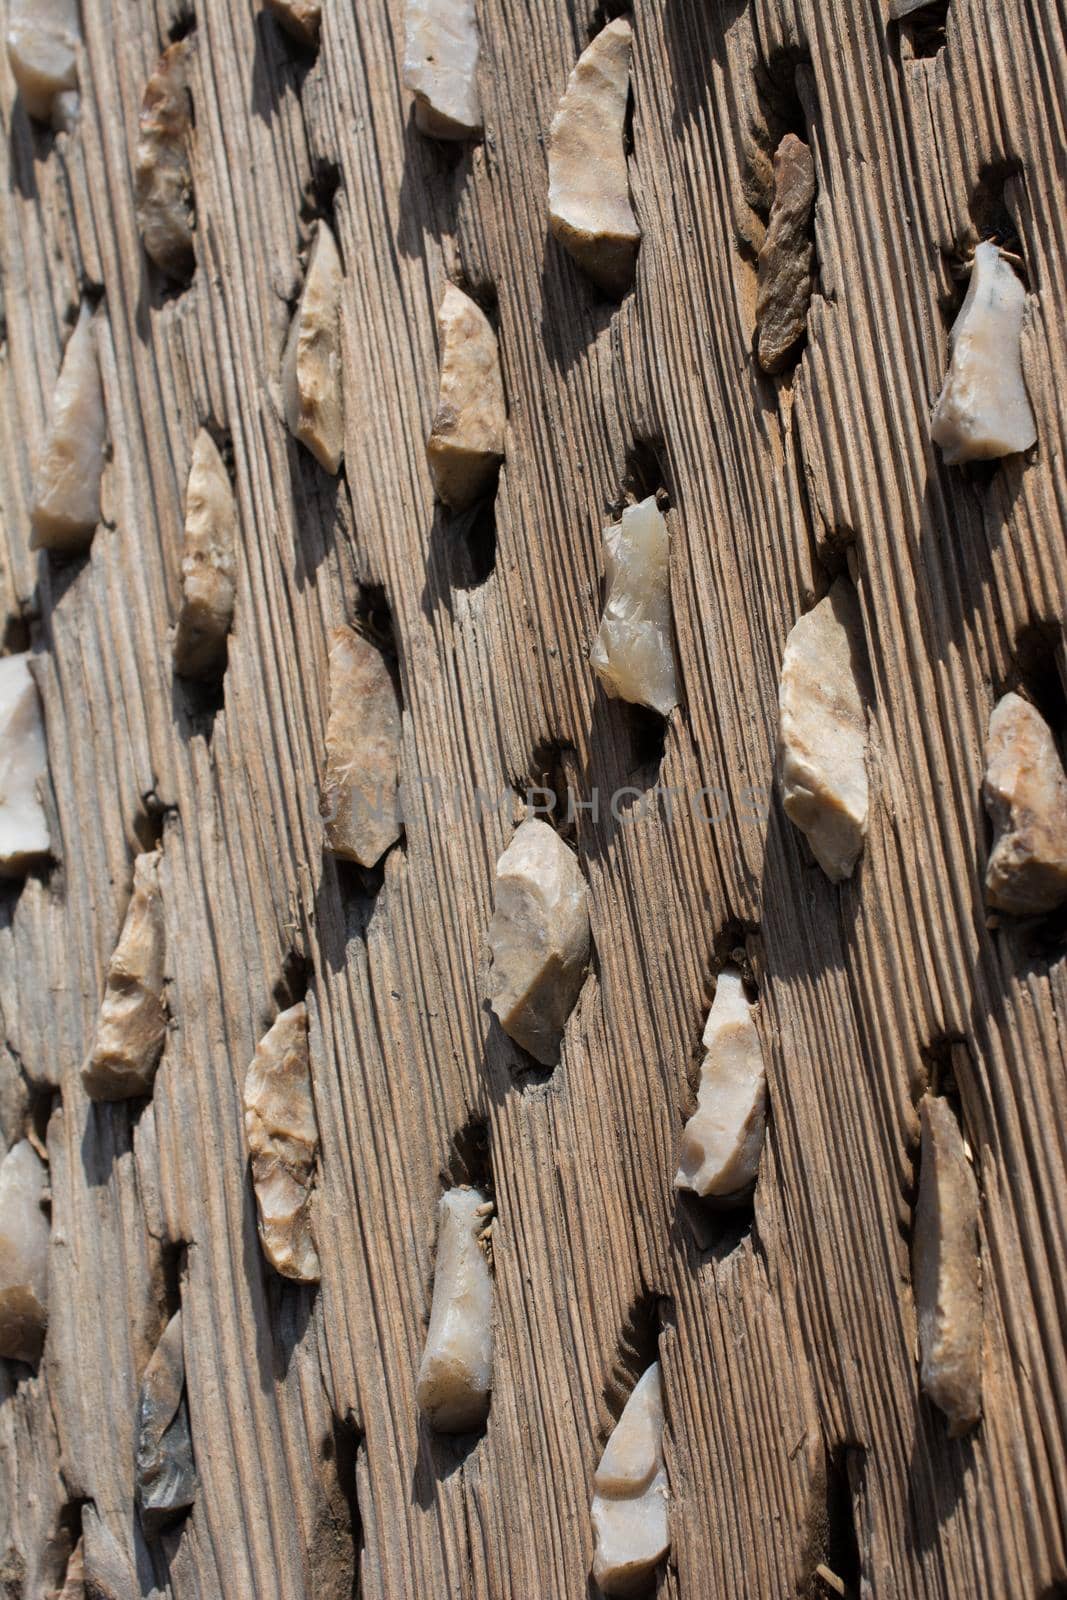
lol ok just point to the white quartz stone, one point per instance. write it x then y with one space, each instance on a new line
539 939
42 46
466 443
946 1270
983 410
723 1139
456 1373
24 1234
133 1016
359 788
440 66
23 762
822 732
283 1139
633 655
162 173
631 1495
312 375
209 565
66 507
1025 792
589 208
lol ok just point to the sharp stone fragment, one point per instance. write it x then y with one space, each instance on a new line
786 257
359 790
42 47
822 732
311 366
466 443
539 939
162 175
24 838
440 67
24 1238
165 1471
133 1016
301 19
283 1138
589 209
723 1139
1025 793
946 1270
456 1372
66 501
633 655
983 411
630 1498
209 565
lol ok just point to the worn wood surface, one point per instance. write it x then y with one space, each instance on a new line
796 1431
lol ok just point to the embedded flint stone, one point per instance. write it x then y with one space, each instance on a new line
786 257
538 938
359 791
723 1139
209 565
24 837
901 8
66 500
946 1270
165 1472
283 1138
589 209
162 175
1025 793
456 1371
133 1016
24 1236
311 366
633 655
440 67
301 19
630 1496
822 732
42 47
466 443
983 410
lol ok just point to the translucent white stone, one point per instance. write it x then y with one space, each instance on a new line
359 791
133 1016
24 1235
1025 793
456 1372
723 1139
633 655
983 410
440 66
589 208
539 939
283 1138
42 46
946 1270
822 732
466 444
66 506
312 380
23 763
630 1501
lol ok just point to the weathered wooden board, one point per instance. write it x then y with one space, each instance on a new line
796 1431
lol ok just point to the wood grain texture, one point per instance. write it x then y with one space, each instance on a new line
787 1338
